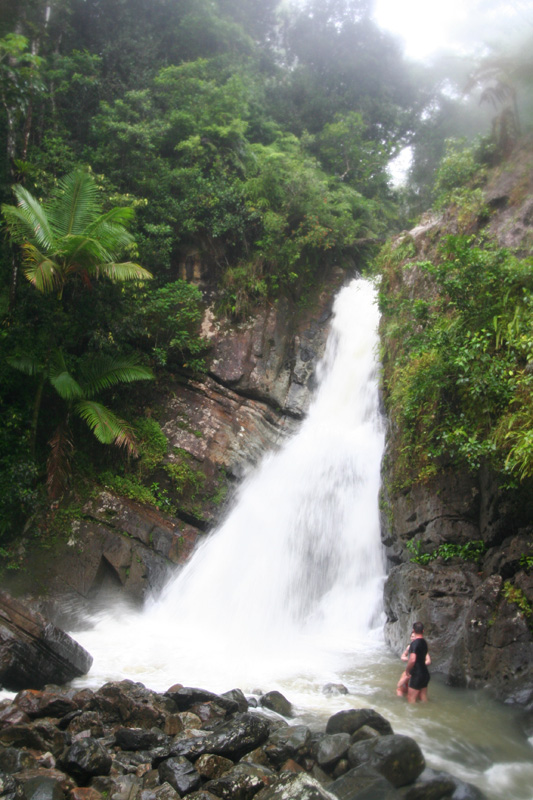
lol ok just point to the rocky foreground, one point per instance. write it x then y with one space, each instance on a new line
126 742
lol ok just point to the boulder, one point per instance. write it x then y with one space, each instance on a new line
286 742
351 720
8 786
334 689
33 652
362 783
42 787
332 748
237 736
211 767
398 758
140 738
13 759
48 783
275 701
242 782
297 786
237 696
119 787
124 701
185 697
84 793
180 774
86 758
48 703
433 785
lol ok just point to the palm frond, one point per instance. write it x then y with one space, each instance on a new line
497 94
66 386
126 271
106 426
105 371
28 220
41 270
26 364
61 379
76 203
83 250
118 215
115 238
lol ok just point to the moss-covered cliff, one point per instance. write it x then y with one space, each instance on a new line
457 352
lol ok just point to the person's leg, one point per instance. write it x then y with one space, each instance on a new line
412 695
424 695
401 688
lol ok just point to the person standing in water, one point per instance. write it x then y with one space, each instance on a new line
416 669
403 683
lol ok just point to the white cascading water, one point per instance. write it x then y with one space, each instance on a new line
287 593
294 575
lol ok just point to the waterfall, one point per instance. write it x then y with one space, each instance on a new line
293 576
287 593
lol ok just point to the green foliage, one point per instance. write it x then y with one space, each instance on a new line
69 235
269 207
152 444
471 551
18 472
20 82
306 219
130 486
217 130
65 238
243 287
167 321
185 480
526 559
516 596
458 169
457 366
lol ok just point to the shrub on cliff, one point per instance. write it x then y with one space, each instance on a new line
458 362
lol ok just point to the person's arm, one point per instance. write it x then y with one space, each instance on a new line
428 660
410 664
405 655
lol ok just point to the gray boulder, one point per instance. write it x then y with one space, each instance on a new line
275 701
285 742
398 758
33 652
351 720
242 782
363 783
332 748
86 758
237 736
180 774
295 787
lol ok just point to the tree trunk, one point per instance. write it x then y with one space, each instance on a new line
14 281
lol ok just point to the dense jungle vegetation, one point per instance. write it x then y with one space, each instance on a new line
141 137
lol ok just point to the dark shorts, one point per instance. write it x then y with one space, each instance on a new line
419 680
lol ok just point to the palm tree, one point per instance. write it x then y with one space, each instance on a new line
96 375
499 77
69 235
64 239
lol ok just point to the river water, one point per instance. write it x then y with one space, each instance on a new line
287 593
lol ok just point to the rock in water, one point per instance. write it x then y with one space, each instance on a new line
33 652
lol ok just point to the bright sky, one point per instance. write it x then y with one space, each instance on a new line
424 25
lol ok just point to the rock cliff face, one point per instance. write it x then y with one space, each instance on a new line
258 386
478 637
479 631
